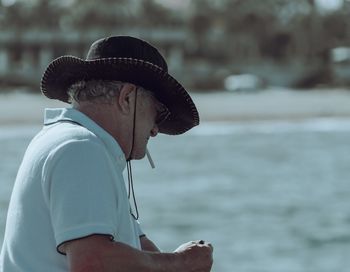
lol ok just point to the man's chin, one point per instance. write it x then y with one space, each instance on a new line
138 156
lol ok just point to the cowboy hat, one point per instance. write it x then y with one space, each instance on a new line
126 59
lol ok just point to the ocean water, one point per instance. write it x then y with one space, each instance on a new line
270 196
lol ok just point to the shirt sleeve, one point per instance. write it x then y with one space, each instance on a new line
80 191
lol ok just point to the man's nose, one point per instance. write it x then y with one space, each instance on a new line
154 131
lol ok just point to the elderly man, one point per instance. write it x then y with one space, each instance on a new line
69 209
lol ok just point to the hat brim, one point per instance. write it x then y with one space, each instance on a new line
66 70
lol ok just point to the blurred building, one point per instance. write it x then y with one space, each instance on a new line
282 42
25 55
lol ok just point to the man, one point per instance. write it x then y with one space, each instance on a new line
69 209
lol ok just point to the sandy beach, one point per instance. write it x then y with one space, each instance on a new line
273 104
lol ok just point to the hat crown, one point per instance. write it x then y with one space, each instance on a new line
126 47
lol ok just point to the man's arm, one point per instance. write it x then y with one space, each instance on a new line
148 245
99 253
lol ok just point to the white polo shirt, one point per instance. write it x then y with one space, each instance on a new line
69 185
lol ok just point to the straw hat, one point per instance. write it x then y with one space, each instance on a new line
126 59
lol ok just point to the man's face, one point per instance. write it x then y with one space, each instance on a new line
149 114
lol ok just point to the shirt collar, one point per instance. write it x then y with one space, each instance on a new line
72 115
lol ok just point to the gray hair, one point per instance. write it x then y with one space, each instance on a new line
97 91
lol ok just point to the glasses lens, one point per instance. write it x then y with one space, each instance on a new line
162 113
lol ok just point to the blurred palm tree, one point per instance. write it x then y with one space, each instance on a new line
23 15
87 15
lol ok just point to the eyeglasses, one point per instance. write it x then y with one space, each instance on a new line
162 112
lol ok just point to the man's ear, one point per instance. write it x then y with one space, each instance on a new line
126 98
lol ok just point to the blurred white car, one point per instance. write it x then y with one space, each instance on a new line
243 82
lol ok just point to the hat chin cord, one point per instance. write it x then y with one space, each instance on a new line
128 164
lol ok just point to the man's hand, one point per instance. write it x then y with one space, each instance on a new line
197 255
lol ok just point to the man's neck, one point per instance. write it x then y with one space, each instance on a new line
108 117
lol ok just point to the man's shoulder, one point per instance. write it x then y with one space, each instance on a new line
71 135
65 138
67 131
80 146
